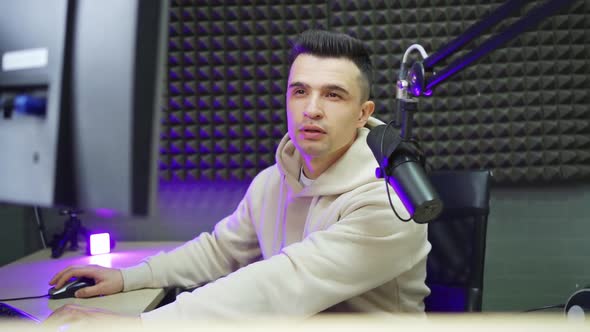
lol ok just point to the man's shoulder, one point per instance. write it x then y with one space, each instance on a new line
266 178
271 171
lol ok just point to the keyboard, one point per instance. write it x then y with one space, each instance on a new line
9 312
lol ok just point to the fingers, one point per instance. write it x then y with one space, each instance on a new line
64 277
59 276
90 291
69 317
74 271
107 281
81 316
64 314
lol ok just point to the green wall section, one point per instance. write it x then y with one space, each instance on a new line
538 248
19 234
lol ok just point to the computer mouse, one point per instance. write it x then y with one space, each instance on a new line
69 288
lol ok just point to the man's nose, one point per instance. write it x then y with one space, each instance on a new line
313 109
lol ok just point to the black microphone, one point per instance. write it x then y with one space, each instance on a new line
402 165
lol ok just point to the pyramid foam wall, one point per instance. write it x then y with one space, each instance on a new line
523 111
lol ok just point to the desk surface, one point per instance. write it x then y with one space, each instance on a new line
29 276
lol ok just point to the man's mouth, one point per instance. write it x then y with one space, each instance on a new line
312 129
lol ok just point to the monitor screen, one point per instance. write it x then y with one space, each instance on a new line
81 84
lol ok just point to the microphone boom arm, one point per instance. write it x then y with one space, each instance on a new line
535 16
401 161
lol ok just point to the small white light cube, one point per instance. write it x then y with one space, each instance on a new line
100 243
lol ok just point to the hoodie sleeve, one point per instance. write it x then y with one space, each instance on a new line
365 249
231 245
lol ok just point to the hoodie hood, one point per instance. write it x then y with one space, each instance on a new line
355 168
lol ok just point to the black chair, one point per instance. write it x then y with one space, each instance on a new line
456 262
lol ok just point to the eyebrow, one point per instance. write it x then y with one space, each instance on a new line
325 87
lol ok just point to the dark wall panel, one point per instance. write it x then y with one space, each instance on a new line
227 74
523 111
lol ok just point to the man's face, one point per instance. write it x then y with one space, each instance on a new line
324 106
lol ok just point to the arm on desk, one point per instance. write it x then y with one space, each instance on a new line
107 280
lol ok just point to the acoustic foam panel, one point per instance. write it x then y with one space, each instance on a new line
522 111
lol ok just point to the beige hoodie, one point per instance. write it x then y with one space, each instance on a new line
292 251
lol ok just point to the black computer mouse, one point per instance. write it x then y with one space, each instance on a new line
69 288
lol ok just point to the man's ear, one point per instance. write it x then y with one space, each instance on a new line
367 109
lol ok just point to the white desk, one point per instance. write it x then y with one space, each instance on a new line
29 276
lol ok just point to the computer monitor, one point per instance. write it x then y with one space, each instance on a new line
81 83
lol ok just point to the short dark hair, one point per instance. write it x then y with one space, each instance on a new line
335 45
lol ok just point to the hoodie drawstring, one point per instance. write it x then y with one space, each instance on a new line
281 220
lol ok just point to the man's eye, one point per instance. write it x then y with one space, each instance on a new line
299 92
333 95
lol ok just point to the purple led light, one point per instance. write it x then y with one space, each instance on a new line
415 88
402 195
100 243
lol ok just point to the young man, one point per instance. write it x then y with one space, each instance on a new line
314 232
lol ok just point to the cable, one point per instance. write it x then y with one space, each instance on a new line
24 298
41 225
385 177
553 306
413 47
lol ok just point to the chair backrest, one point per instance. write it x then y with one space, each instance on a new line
456 262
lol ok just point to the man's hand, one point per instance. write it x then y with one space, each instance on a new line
107 281
74 315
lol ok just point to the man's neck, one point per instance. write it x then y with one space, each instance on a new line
313 167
